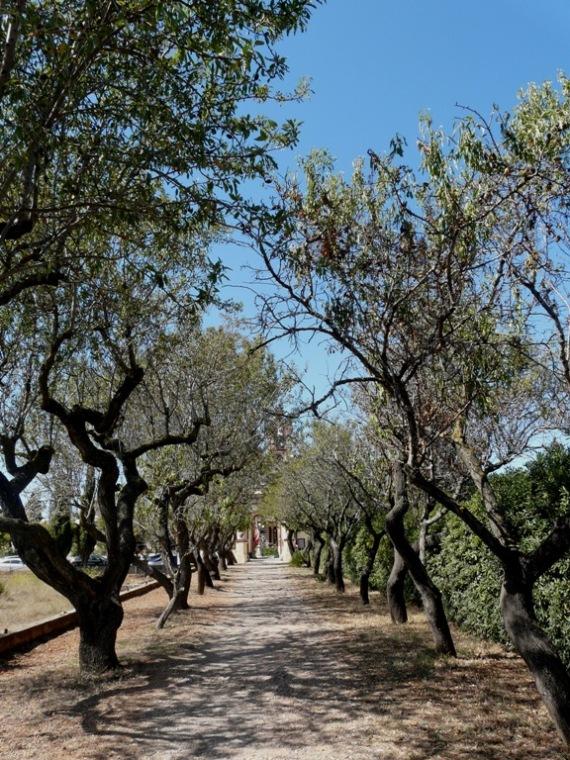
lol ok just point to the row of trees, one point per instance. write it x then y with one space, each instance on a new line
339 489
127 131
445 291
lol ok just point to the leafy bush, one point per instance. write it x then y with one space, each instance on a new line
297 560
5 544
61 530
470 578
552 605
269 551
2 588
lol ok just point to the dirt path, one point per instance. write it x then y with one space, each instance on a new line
271 666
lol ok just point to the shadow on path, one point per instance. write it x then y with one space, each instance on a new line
288 669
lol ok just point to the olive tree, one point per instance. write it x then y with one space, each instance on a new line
121 115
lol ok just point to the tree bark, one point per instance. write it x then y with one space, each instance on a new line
204 577
166 612
231 558
290 542
179 599
429 593
215 564
86 540
213 568
550 675
183 575
317 555
201 580
184 581
331 576
395 590
99 621
307 554
337 547
367 570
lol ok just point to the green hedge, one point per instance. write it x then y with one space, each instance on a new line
470 578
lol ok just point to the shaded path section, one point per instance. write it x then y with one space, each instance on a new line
278 666
291 670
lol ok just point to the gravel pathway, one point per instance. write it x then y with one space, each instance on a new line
271 681
272 666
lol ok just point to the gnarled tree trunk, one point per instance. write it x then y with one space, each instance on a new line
230 558
212 566
550 675
183 575
307 551
99 621
430 595
179 600
331 576
319 545
337 547
204 577
290 542
395 590
367 570
201 580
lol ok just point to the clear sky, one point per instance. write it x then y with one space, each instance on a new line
376 64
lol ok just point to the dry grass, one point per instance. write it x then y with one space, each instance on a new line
480 706
26 599
274 666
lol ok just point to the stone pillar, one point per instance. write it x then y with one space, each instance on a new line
241 548
284 553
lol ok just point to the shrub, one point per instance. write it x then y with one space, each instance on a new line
269 551
470 578
297 560
61 530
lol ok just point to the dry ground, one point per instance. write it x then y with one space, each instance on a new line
273 665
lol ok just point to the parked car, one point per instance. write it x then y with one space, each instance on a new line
95 560
155 560
12 562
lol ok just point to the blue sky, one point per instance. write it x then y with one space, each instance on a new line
376 65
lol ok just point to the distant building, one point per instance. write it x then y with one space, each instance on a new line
265 533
